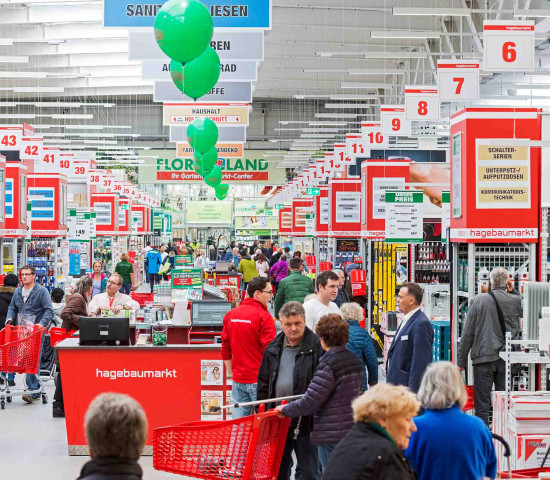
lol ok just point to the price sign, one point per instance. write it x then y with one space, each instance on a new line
393 121
80 168
32 148
421 103
65 163
354 146
458 80
10 139
509 45
51 155
95 177
372 136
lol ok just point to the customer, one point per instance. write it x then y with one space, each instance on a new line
275 257
112 299
448 443
164 259
235 259
323 303
344 289
116 430
279 271
172 260
257 252
247 331
294 287
372 450
247 267
262 265
99 278
336 382
483 337
411 349
287 368
252 249
360 343
228 255
58 304
154 261
195 245
200 259
6 293
31 302
267 249
126 270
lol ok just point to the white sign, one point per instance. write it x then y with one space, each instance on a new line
222 92
80 169
332 164
103 213
393 120
341 154
32 148
65 163
379 188
354 146
348 207
95 177
421 102
324 211
10 138
404 221
51 156
231 70
79 225
225 134
509 45
372 136
321 172
458 80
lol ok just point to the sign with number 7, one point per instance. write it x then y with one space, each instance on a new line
509 45
458 80
421 102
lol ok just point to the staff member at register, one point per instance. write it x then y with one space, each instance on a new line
112 299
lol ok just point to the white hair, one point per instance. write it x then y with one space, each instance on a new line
442 387
499 277
352 311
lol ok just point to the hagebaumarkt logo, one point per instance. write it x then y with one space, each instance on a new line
114 374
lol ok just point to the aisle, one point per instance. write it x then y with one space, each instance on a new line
36 444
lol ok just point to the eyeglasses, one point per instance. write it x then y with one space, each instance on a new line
269 292
113 283
27 274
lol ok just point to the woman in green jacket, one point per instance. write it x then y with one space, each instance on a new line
247 267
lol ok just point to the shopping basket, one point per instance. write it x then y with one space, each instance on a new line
58 334
249 448
20 348
142 298
470 400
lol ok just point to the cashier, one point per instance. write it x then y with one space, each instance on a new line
112 299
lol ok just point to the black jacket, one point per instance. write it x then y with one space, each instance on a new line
306 364
274 259
5 298
111 468
367 453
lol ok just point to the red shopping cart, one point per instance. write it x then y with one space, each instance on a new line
248 448
20 353
470 400
58 334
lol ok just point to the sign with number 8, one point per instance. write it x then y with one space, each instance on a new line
421 102
509 45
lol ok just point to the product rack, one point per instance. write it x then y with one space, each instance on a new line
47 256
545 245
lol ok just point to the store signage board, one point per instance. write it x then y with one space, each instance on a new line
208 213
324 210
184 280
42 202
103 212
332 164
229 46
222 92
231 70
445 214
183 261
456 167
32 149
222 115
230 14
279 206
313 191
248 208
404 221
508 45
394 121
10 138
51 156
458 80
79 225
421 102
354 147
348 207
310 224
95 177
347 245
379 188
503 175
9 197
236 134
80 169
372 137
65 163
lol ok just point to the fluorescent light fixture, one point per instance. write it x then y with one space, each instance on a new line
440 12
532 13
94 127
392 55
8 59
377 71
303 97
372 86
325 70
328 124
286 129
22 74
73 116
37 89
335 115
27 116
365 96
359 106
338 54
404 34
321 130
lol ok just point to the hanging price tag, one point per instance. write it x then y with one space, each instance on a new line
354 146
393 120
458 80
421 102
372 136
10 138
509 45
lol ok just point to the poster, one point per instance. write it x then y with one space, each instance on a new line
379 188
211 403
404 220
211 372
187 284
348 207
445 215
228 411
183 261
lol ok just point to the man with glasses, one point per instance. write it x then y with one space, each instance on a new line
247 331
112 299
30 302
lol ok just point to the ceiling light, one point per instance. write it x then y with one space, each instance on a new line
373 86
302 97
365 96
360 106
22 74
7 59
335 115
392 55
440 12
404 34
328 124
27 116
532 13
338 54
377 71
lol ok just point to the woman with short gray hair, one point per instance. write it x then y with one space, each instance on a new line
448 443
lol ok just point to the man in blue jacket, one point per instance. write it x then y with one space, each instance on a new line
411 350
30 302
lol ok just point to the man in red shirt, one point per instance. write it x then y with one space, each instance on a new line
247 331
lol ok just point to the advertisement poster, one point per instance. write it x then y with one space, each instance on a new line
348 207
211 401
211 372
228 411
188 280
404 221
183 261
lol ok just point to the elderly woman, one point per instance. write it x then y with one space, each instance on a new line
344 288
336 383
449 444
372 450
360 343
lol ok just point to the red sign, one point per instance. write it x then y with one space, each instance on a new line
345 207
285 221
322 212
47 194
106 207
299 210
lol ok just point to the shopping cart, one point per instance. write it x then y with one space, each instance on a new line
20 353
470 399
243 449
48 365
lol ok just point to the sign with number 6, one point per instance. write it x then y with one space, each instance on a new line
421 102
509 45
393 121
372 136
458 80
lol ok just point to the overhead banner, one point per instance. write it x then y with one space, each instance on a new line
231 70
231 14
223 92
221 114
404 220
208 212
225 134
225 150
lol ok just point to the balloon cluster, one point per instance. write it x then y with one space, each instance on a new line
183 30
202 135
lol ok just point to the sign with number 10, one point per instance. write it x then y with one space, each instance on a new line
509 45
458 80
372 136
421 102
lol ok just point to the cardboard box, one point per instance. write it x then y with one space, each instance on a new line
528 450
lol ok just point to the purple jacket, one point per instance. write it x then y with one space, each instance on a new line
279 270
336 383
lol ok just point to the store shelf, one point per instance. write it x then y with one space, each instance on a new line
521 357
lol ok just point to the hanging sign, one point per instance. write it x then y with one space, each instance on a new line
223 92
354 146
404 221
32 149
181 261
508 45
421 102
221 114
458 80
322 213
225 134
347 207
95 177
394 121
231 70
80 169
285 220
10 138
341 154
187 278
321 172
51 156
371 134
445 214
333 164
65 163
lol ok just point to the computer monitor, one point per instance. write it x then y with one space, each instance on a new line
104 331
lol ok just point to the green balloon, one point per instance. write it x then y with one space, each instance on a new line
202 134
197 77
208 160
183 29
214 178
222 188
220 195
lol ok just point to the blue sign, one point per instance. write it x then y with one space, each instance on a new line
226 13
42 203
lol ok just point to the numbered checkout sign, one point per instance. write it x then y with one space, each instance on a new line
354 147
372 136
393 121
508 45
421 103
32 149
10 138
458 80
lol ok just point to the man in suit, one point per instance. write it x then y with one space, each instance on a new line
411 349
